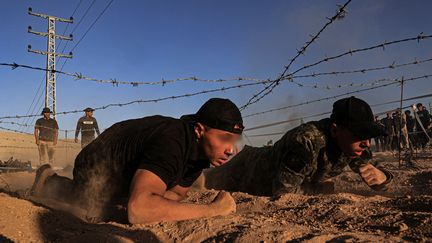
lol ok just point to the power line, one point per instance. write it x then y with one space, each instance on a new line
79 23
67 26
88 30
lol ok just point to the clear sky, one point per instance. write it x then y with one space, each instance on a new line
151 40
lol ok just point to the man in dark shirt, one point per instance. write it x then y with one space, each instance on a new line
410 124
88 126
152 161
424 118
46 135
389 128
307 157
379 141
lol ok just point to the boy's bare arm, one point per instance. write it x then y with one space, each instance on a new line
147 202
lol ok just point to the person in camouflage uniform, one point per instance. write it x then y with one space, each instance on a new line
306 157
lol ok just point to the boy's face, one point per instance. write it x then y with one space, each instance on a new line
218 145
350 145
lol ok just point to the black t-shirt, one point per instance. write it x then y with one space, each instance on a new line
87 126
163 145
47 128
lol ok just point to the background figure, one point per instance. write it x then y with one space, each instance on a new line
379 141
389 128
410 124
87 125
46 135
424 118
401 129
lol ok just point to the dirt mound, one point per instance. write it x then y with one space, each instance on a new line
354 213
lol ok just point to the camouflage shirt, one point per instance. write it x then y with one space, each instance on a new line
301 159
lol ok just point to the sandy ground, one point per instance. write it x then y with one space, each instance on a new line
353 214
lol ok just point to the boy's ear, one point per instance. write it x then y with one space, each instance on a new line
333 129
199 129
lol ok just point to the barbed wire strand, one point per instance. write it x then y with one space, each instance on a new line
339 14
365 70
329 112
316 86
115 82
396 81
269 88
150 100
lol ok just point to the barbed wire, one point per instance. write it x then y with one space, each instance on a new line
345 85
339 14
396 81
316 86
30 134
150 100
269 88
45 127
26 141
364 70
79 76
328 113
284 121
30 147
266 134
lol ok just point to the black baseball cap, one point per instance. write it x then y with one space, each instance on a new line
220 114
46 110
356 115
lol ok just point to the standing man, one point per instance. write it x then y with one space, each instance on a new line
379 141
87 125
46 136
389 129
151 162
424 118
410 124
401 129
306 158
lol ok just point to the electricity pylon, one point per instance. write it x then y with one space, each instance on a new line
50 86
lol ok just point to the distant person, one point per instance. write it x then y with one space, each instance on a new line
379 141
425 122
46 135
150 162
307 157
410 124
389 129
401 130
88 126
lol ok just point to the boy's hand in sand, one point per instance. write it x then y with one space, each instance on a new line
224 203
371 175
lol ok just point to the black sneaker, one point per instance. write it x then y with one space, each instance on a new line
42 173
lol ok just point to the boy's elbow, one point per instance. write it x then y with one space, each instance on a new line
137 214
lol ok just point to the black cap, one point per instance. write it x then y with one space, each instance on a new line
46 110
88 109
220 114
356 115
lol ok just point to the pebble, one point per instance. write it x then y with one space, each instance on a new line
403 227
